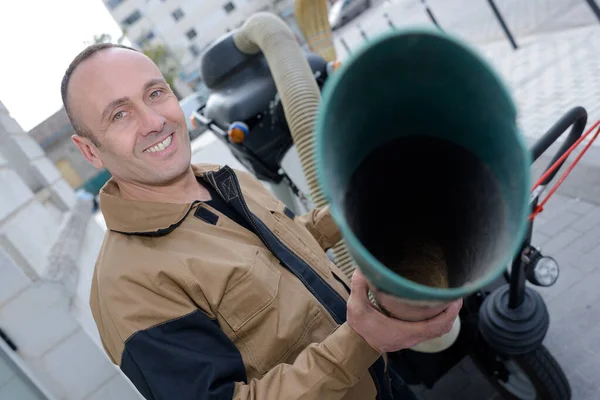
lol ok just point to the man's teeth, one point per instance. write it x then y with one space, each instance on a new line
161 146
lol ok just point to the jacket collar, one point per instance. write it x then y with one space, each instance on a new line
144 217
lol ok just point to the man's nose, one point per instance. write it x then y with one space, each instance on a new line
151 121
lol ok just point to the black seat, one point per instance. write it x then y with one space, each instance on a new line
240 83
242 89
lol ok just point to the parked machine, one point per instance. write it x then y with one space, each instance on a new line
503 321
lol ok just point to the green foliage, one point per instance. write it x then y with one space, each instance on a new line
162 58
106 38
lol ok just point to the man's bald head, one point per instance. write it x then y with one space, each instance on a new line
88 52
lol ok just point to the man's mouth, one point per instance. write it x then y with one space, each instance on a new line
160 146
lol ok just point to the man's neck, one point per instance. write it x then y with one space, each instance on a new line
183 190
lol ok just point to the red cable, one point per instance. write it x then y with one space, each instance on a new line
540 207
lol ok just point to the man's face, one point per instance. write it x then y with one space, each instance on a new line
121 97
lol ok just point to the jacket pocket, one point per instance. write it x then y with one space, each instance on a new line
254 292
272 315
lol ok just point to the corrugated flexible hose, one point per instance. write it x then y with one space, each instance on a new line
299 94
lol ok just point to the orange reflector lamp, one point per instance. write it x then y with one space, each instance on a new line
237 132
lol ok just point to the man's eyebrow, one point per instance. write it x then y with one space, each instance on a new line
120 101
112 105
153 82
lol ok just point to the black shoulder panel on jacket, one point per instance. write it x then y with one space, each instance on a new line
187 358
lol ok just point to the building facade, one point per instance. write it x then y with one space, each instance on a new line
53 135
187 27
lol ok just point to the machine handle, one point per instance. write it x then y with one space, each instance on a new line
574 139
577 118
209 124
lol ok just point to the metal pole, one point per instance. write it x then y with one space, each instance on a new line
345 45
431 16
389 20
595 8
362 33
503 24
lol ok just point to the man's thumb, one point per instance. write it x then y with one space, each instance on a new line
359 283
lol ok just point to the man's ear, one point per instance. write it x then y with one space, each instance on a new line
89 150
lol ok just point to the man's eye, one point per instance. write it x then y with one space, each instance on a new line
155 94
119 115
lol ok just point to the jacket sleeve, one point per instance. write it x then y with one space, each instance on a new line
321 225
190 358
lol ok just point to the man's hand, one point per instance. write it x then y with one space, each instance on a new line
387 334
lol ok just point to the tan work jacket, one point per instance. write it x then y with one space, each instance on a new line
192 305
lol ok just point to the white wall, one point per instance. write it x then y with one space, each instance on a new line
47 249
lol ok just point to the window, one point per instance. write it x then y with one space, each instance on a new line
144 39
191 34
194 50
177 14
229 7
132 19
112 4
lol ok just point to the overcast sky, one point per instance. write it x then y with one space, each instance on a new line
38 39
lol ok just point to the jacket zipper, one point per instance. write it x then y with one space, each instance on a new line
337 278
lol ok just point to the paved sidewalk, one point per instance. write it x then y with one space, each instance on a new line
474 20
551 74
556 67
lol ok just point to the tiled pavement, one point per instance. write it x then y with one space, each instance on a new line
474 21
550 74
556 68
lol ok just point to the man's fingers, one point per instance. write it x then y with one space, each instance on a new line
423 330
452 311
442 323
409 333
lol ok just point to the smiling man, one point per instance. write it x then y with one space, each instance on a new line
207 286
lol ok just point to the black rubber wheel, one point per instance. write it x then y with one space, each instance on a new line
533 376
